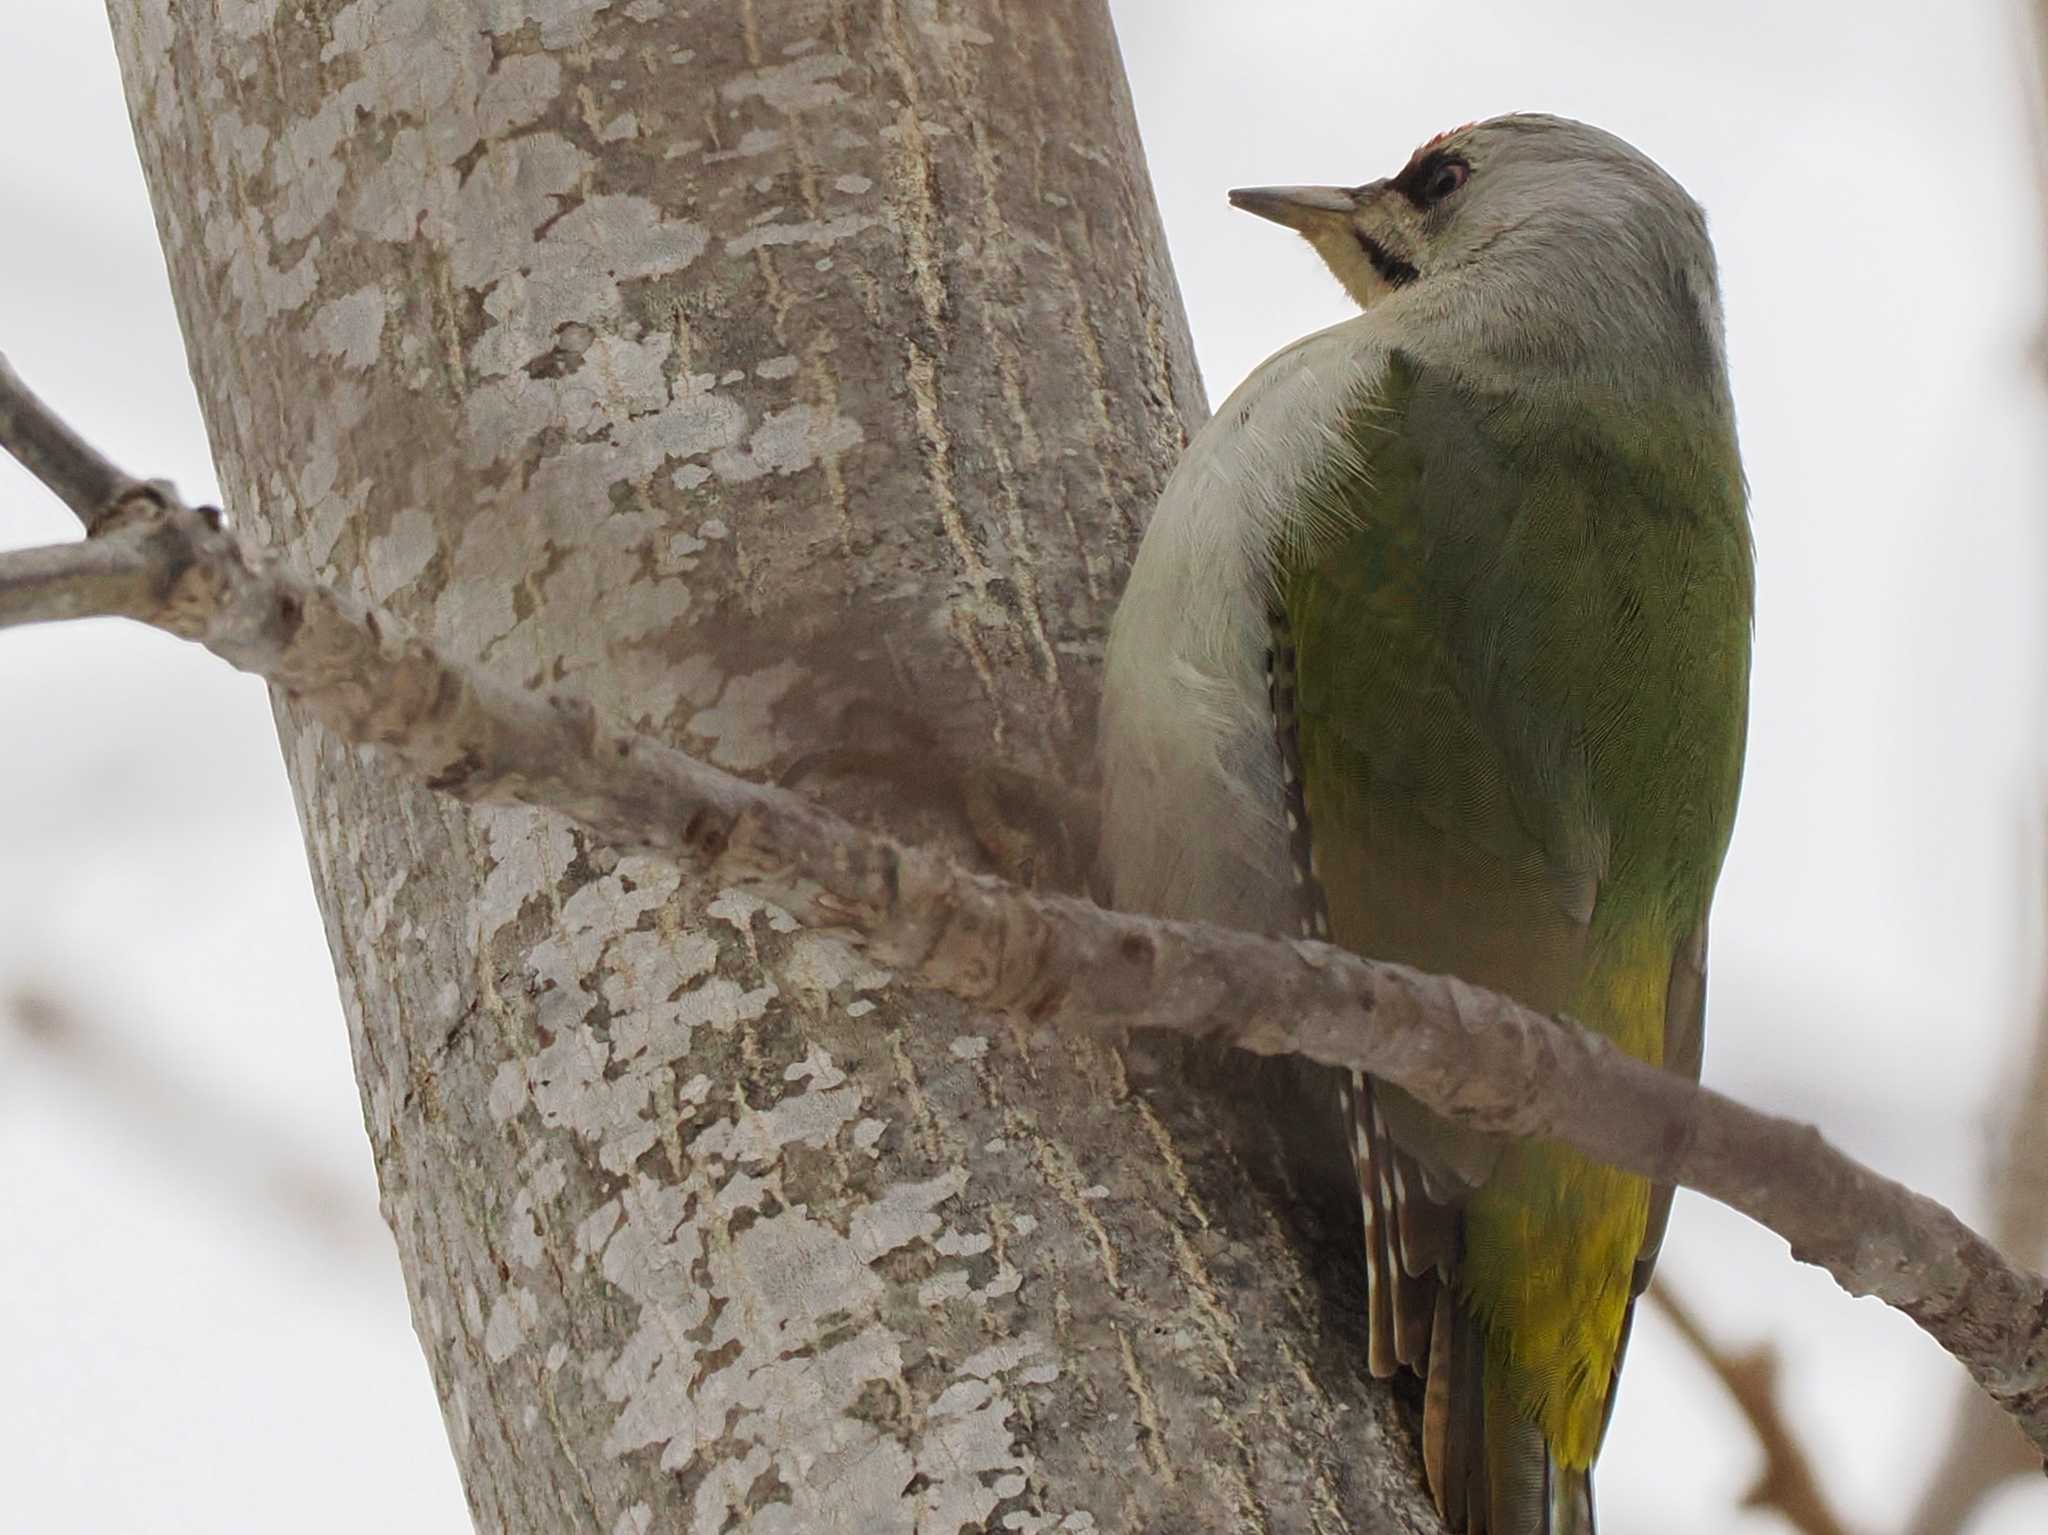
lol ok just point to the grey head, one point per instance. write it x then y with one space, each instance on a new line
1528 241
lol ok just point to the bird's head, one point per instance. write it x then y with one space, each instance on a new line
1542 232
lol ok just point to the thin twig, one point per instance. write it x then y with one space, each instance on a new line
1475 1055
1786 1485
253 1163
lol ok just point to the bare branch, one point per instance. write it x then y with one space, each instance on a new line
1982 1451
1476 1055
1786 1484
84 580
55 454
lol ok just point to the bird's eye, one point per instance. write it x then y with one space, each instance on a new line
1445 180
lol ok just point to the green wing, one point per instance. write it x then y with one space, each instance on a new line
1520 645
1453 820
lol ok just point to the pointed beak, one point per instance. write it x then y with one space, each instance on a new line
1296 207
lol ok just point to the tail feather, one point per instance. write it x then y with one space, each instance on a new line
1489 1470
1405 1253
1516 1466
1424 1242
1381 1355
1452 1432
1571 1502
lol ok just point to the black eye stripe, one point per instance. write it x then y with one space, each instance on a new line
1422 180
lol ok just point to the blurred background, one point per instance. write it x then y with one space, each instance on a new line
204 1315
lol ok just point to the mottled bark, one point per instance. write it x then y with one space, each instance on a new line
787 378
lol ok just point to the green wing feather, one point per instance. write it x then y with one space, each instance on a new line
1521 639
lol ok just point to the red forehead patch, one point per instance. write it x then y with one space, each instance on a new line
1446 134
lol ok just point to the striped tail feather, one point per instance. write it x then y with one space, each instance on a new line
1489 1470
1410 1241
1452 1432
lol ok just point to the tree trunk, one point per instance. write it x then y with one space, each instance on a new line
790 379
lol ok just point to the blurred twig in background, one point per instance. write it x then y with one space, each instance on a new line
2033 56
237 1153
1786 1485
1983 1449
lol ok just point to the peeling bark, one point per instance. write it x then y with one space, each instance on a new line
789 379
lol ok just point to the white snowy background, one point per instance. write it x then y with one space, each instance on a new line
203 1317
